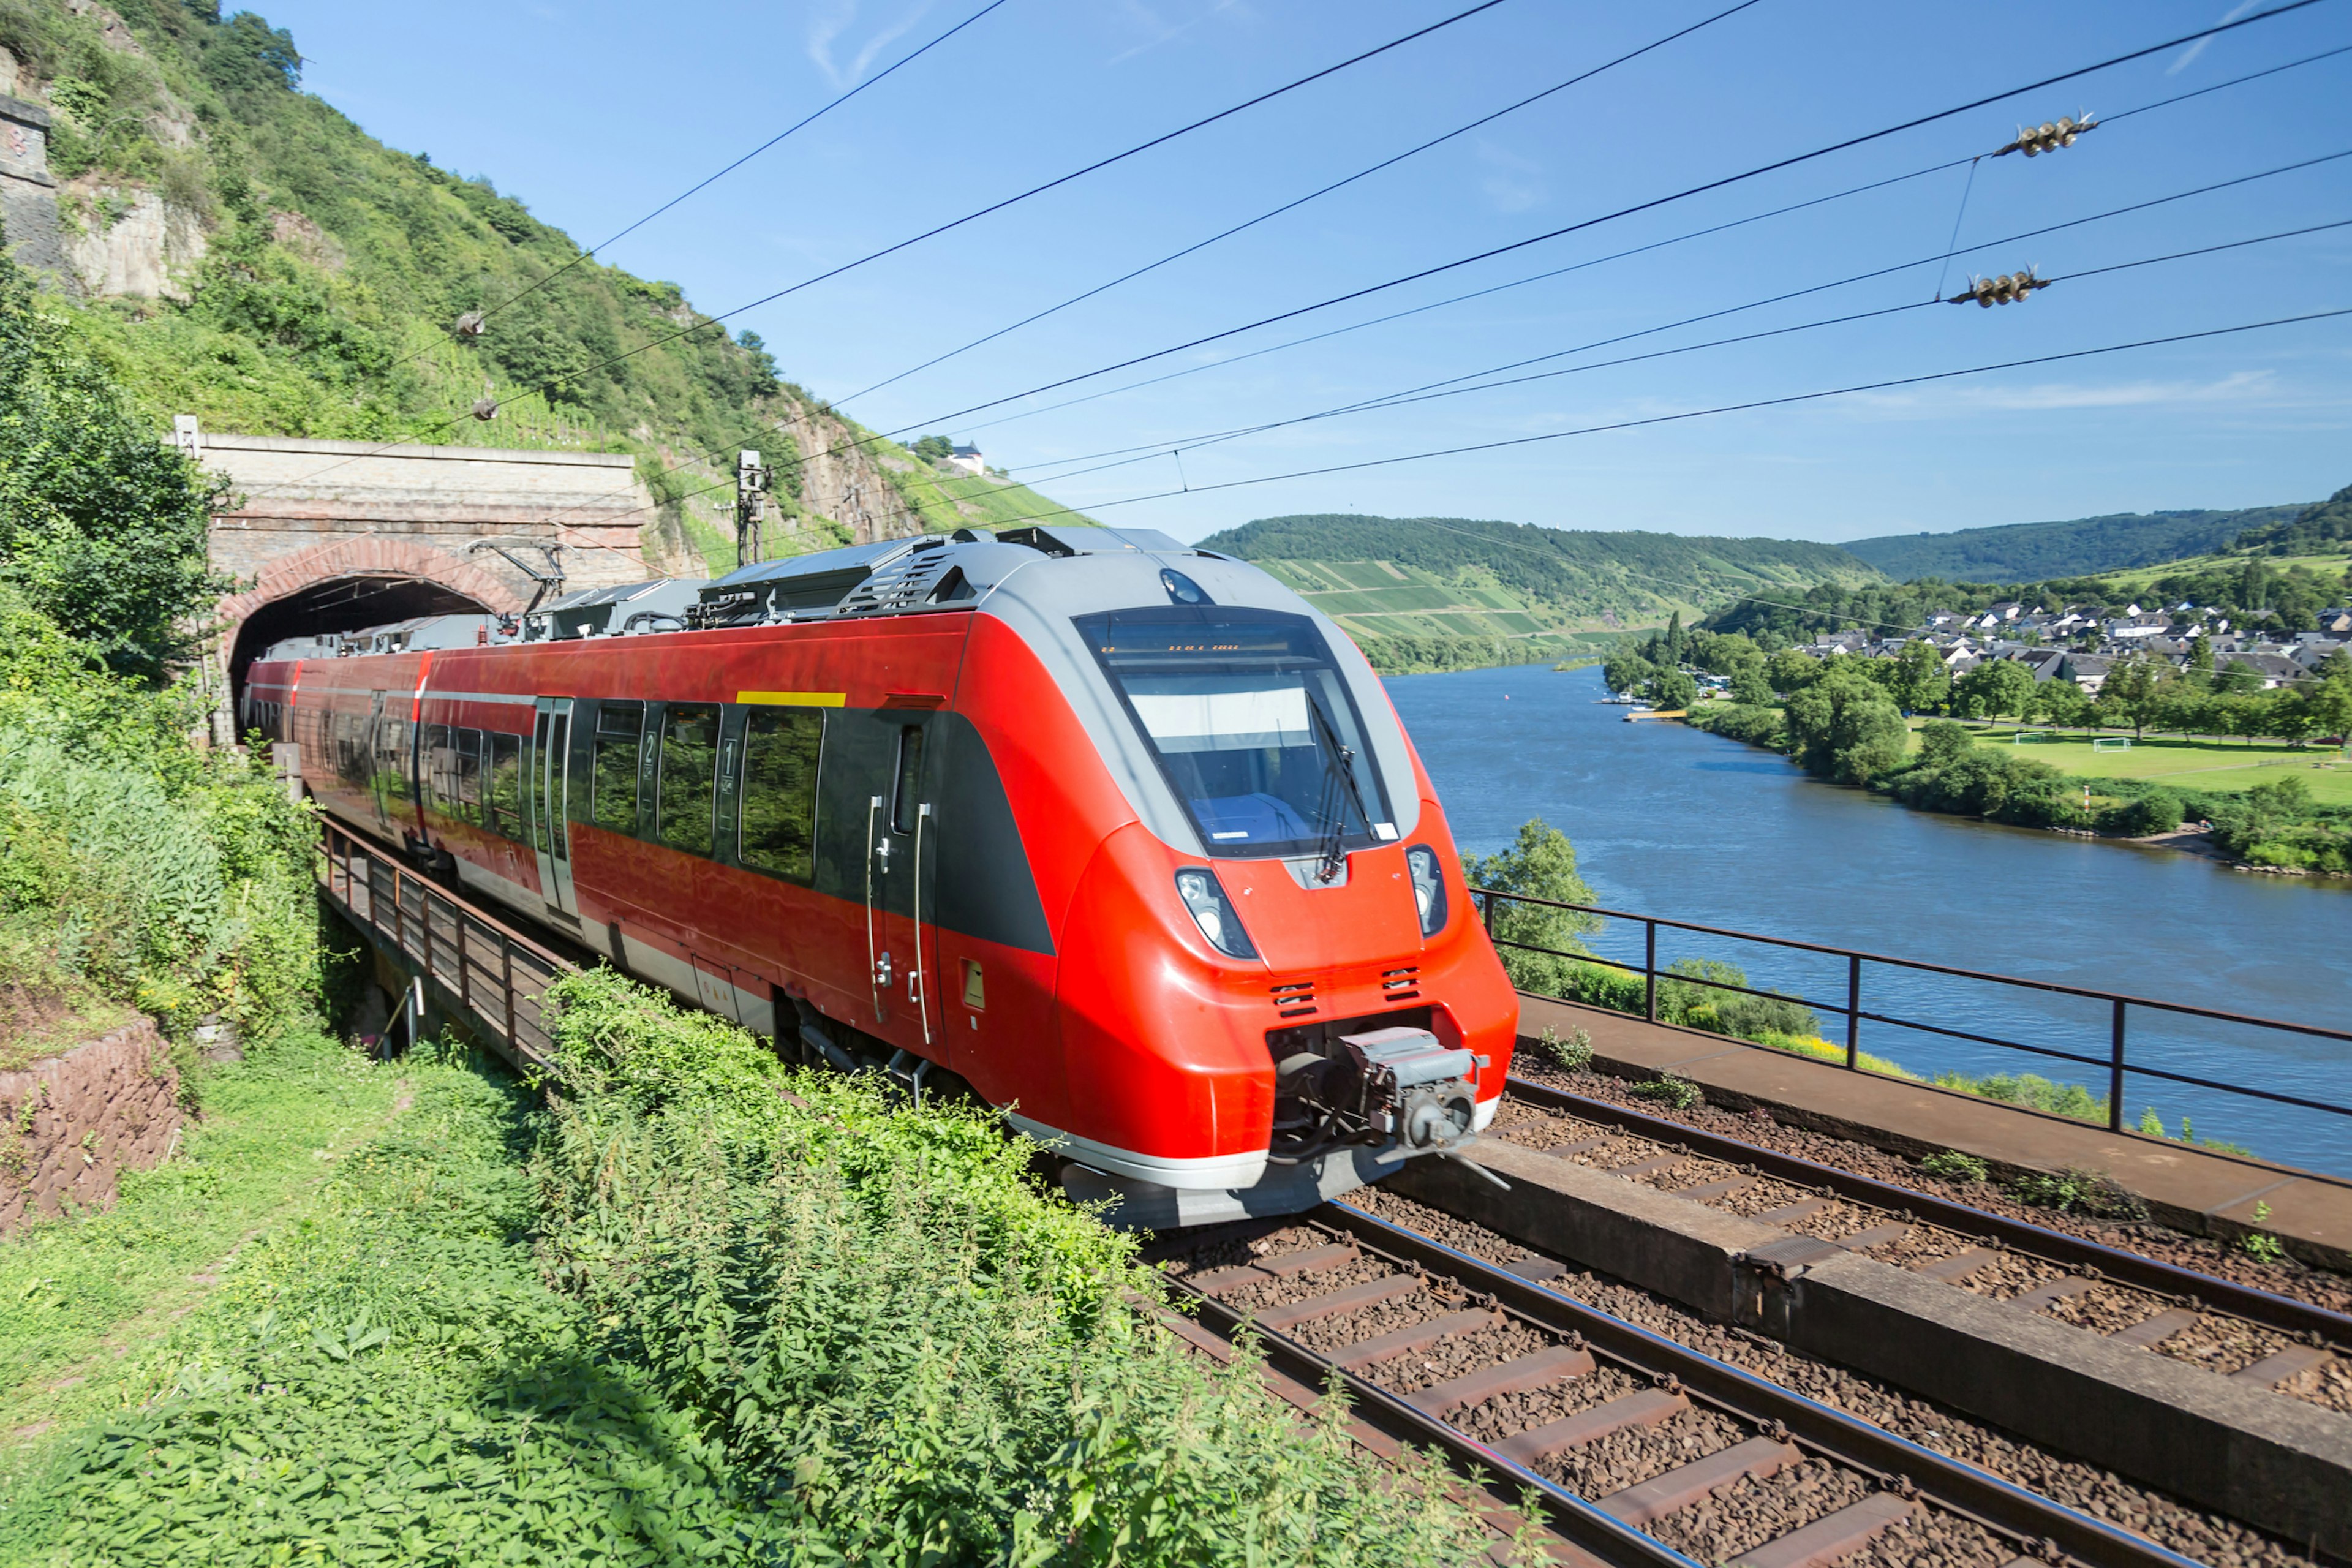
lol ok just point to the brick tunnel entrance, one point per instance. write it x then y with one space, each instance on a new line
341 604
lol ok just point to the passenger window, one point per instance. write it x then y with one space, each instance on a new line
779 794
469 776
689 768
394 759
618 726
909 792
502 785
438 774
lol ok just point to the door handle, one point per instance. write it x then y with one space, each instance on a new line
882 970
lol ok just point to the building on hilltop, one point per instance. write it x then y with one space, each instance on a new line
965 460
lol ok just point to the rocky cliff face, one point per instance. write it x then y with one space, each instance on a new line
71 1125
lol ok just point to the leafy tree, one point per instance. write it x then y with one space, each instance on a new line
1626 670
1844 728
2329 699
1750 687
102 526
1790 670
1541 863
2135 689
933 449
1917 680
1996 687
1942 741
1672 692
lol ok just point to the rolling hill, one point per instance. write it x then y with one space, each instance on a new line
246 252
1454 592
2026 551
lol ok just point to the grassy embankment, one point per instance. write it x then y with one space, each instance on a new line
2204 765
700 1307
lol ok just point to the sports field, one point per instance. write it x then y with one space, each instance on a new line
2193 764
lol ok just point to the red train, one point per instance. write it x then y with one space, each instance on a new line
1123 835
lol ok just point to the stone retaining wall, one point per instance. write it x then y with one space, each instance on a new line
68 1125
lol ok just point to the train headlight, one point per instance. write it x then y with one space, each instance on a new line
1213 912
1428 888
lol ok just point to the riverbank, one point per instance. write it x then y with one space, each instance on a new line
2269 821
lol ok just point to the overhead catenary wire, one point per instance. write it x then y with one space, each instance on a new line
541 388
1621 255
707 181
1054 513
1297 202
1412 393
2136 53
2287 8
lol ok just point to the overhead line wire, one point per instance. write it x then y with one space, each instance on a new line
2085 71
1637 250
1098 165
801 124
1411 394
1061 512
1654 203
1301 201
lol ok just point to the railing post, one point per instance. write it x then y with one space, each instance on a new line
399 908
1490 918
2115 1070
506 984
1650 969
464 970
1852 1011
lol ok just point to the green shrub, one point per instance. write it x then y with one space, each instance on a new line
1954 1166
1667 1089
880 1307
1541 863
2032 1090
1757 724
1573 1054
2078 1191
2157 811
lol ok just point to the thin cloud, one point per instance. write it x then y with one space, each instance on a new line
2182 63
2242 386
827 27
1515 184
1157 30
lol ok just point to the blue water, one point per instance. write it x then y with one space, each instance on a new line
1668 821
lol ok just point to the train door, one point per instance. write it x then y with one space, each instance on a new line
383 752
902 887
550 761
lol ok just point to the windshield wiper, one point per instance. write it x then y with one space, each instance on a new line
1339 770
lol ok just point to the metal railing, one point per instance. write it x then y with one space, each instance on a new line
479 968
2116 1063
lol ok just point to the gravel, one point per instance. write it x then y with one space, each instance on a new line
2192 1532
2287 1277
2222 1344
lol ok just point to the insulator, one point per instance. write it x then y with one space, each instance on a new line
486 408
2065 125
470 324
2028 146
2046 132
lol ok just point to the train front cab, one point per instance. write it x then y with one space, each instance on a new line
1218 928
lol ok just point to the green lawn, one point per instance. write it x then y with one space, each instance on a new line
2192 764
82 1299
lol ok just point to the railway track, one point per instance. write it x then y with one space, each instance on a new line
2254 1336
1638 1449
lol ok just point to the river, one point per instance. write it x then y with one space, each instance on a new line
1671 822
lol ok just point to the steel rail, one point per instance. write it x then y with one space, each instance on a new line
2301 1319
1567 1513
2014 1511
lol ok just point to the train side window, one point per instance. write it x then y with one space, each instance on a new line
502 785
469 776
907 796
689 771
618 726
779 794
439 794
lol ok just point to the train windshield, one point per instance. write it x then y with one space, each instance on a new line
1252 724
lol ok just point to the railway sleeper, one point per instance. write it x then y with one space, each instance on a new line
1449 1293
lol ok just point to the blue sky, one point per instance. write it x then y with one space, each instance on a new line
592 113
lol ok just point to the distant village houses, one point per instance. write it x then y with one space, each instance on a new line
2080 644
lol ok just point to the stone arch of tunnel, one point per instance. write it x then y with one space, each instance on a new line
347 585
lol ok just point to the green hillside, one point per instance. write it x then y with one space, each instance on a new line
1456 592
2324 528
332 269
2028 552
